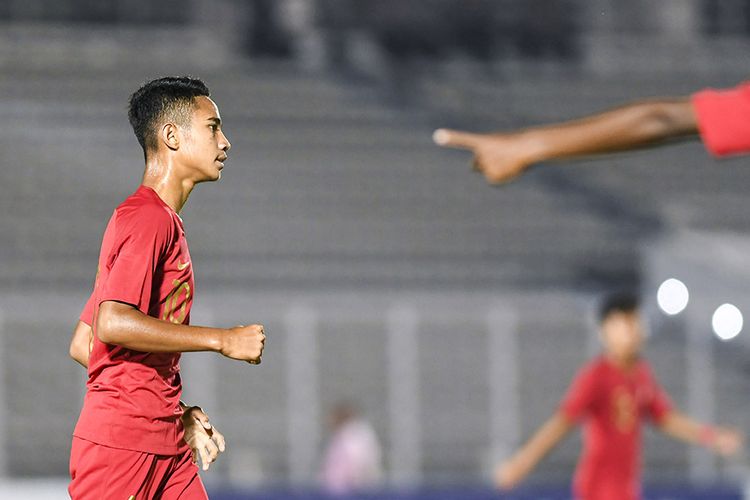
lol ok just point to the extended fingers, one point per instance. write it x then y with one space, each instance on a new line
208 452
455 138
213 450
218 438
466 140
205 460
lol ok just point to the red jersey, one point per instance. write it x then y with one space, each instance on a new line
724 119
614 403
132 398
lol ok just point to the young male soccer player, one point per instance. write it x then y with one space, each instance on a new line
613 395
721 118
134 438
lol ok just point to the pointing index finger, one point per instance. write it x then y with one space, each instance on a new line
455 138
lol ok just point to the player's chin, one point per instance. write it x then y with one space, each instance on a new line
214 173
219 166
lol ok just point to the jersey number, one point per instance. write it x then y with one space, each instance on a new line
173 299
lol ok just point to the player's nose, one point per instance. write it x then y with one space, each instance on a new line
224 144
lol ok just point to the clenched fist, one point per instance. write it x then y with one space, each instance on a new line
244 343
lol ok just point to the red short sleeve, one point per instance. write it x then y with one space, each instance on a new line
581 394
140 238
724 119
87 315
660 404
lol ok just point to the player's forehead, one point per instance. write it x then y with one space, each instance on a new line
622 322
619 315
205 109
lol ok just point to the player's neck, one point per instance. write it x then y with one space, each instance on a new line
626 363
162 178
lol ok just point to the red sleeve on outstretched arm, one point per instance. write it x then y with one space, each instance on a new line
581 395
724 119
659 404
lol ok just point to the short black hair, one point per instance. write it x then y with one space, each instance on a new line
625 302
171 97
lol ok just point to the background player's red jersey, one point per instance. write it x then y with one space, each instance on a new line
724 119
132 398
613 401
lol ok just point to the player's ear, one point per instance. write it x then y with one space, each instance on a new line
170 136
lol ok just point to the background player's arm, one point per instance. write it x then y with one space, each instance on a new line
718 439
511 472
124 325
79 344
503 156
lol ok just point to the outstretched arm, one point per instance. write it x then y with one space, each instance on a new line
511 472
503 156
720 440
124 325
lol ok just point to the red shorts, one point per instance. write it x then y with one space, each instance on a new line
607 490
99 472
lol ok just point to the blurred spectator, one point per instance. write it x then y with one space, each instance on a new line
409 29
548 28
337 20
266 35
136 12
726 17
353 457
476 28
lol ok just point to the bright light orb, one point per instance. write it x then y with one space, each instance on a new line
727 321
672 296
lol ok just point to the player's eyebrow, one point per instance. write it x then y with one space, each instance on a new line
215 119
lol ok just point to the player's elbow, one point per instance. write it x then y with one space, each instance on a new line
77 352
80 343
108 322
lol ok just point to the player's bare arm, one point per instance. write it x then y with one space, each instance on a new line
80 344
124 325
512 472
205 441
721 440
503 156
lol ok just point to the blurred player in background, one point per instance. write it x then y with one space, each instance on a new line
721 118
353 458
135 439
613 395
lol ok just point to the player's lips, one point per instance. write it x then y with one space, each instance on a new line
221 160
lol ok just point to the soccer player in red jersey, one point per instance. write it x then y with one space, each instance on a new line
613 395
721 118
135 439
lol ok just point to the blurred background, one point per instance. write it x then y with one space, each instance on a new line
452 315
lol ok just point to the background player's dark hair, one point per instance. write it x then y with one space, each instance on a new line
170 98
626 302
